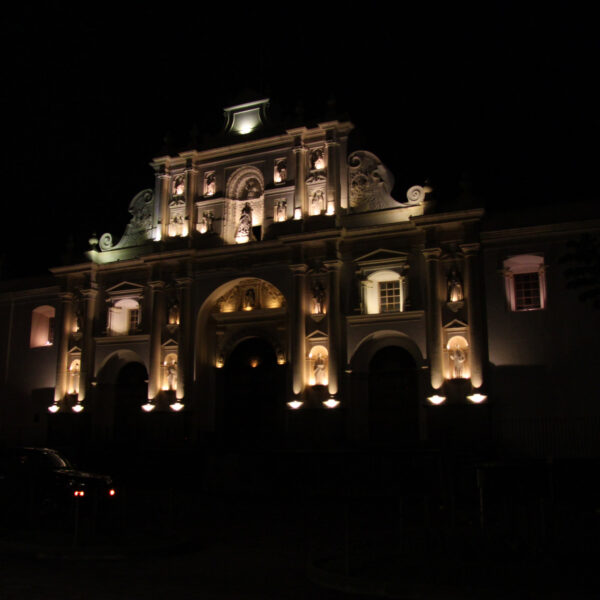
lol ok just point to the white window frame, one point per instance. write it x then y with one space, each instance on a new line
520 265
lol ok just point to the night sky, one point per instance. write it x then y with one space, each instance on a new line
496 106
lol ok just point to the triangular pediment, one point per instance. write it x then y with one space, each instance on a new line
316 335
74 350
382 256
456 324
125 286
170 343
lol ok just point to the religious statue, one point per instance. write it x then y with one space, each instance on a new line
172 375
252 189
319 369
280 211
249 299
318 298
455 289
244 228
210 184
317 160
317 202
280 174
174 314
179 186
205 224
458 357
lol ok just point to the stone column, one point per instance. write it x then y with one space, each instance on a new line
87 344
434 318
64 332
186 328
300 189
164 185
333 175
334 319
190 194
158 320
473 298
298 329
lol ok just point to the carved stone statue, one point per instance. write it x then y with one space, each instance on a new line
318 298
244 229
319 369
205 223
317 159
252 189
249 299
172 375
179 186
455 289
280 211
173 314
317 203
210 183
280 174
370 183
458 357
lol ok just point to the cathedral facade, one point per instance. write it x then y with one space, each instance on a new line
270 292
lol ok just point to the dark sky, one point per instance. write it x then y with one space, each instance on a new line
498 102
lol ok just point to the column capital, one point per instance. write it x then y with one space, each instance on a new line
470 249
66 296
431 254
299 269
156 285
333 264
183 282
89 293
298 149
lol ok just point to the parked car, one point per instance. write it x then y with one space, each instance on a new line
35 481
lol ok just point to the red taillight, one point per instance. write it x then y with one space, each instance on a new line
111 492
79 493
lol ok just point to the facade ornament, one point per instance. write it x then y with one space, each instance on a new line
210 183
172 375
280 211
455 288
371 183
205 225
319 369
318 299
246 183
317 203
417 194
244 229
317 159
280 171
179 185
458 357
249 299
173 316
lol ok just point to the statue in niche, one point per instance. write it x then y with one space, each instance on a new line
317 160
174 313
252 189
249 299
280 211
179 186
206 221
319 369
280 174
317 202
458 358
172 375
210 184
318 298
455 289
78 321
244 229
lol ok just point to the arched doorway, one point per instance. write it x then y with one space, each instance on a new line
393 397
251 402
131 391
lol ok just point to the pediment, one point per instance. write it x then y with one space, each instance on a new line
126 289
170 343
456 324
382 255
316 335
74 350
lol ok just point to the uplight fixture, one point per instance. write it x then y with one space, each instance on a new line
436 400
176 406
331 403
477 398
295 404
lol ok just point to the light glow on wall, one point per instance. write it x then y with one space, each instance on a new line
77 408
331 403
295 404
477 398
176 406
297 214
436 400
53 408
148 407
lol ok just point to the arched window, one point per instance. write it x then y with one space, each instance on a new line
124 317
385 291
525 282
42 326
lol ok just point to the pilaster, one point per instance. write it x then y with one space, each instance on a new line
157 290
434 317
186 329
335 330
300 188
65 329
298 328
87 347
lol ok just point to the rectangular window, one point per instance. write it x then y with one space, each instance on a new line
389 296
527 291
134 315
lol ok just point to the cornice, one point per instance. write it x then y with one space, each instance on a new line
119 340
409 315
534 232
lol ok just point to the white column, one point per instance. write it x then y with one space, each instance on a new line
434 317
298 329
158 320
335 330
87 347
64 332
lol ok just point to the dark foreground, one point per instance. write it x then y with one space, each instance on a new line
166 538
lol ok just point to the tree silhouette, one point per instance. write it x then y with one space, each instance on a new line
584 270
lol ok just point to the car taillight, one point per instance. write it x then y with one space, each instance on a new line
79 493
111 492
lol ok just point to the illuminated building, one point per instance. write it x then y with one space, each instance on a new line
272 286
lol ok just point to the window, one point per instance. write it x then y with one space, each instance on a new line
124 317
525 282
384 292
42 327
